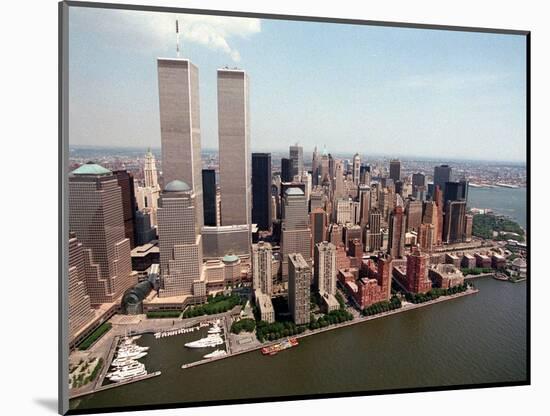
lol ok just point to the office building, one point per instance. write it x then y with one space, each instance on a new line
455 222
295 233
234 147
299 281
442 175
144 229
374 234
395 170
220 241
126 183
356 172
396 235
180 130
324 276
319 224
147 196
413 210
286 170
262 264
209 196
261 190
179 240
296 154
97 219
315 168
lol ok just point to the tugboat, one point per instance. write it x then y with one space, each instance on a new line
275 348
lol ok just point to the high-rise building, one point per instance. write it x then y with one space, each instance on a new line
179 240
262 259
418 179
126 183
180 130
144 229
296 154
80 308
147 196
234 146
442 175
455 222
286 170
418 280
396 235
319 224
299 281
295 233
347 211
324 174
455 191
209 196
97 219
261 190
364 204
468 224
364 174
426 238
339 189
356 169
374 240
413 210
324 276
315 168
395 170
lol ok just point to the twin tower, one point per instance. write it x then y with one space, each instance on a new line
181 136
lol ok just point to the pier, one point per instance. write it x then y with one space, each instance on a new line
121 383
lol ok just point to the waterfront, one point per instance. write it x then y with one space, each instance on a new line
511 202
473 339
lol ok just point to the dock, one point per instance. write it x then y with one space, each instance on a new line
121 383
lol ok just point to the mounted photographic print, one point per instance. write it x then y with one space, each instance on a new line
264 207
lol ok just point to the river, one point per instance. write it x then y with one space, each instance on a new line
511 202
479 338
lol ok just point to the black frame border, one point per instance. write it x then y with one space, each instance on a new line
63 52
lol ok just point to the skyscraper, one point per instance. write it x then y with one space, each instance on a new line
315 167
180 131
209 196
179 240
262 258
96 217
126 183
356 169
234 146
364 204
395 170
324 275
295 233
147 196
417 272
299 280
261 190
396 235
319 224
150 170
286 170
374 234
80 308
442 175
413 209
296 154
454 227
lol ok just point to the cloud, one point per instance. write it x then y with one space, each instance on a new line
157 30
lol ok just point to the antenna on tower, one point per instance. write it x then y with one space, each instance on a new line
177 39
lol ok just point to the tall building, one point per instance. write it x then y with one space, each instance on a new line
80 308
261 190
126 183
339 189
286 170
426 238
468 224
356 169
396 235
364 204
180 130
455 222
315 167
374 240
455 191
234 146
179 240
418 280
364 174
319 224
299 281
97 219
395 170
209 196
324 276
413 210
147 196
144 229
442 175
418 180
347 211
295 233
262 259
296 154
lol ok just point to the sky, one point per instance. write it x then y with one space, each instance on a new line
390 91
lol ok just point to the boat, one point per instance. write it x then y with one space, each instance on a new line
212 340
118 376
215 354
216 329
133 365
283 345
121 361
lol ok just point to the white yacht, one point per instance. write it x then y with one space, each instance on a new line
118 376
216 329
132 365
122 361
214 354
212 340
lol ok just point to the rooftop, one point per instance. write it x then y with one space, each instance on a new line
91 168
294 191
177 186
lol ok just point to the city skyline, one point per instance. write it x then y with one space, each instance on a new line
419 107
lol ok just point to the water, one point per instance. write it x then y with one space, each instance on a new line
479 338
506 201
